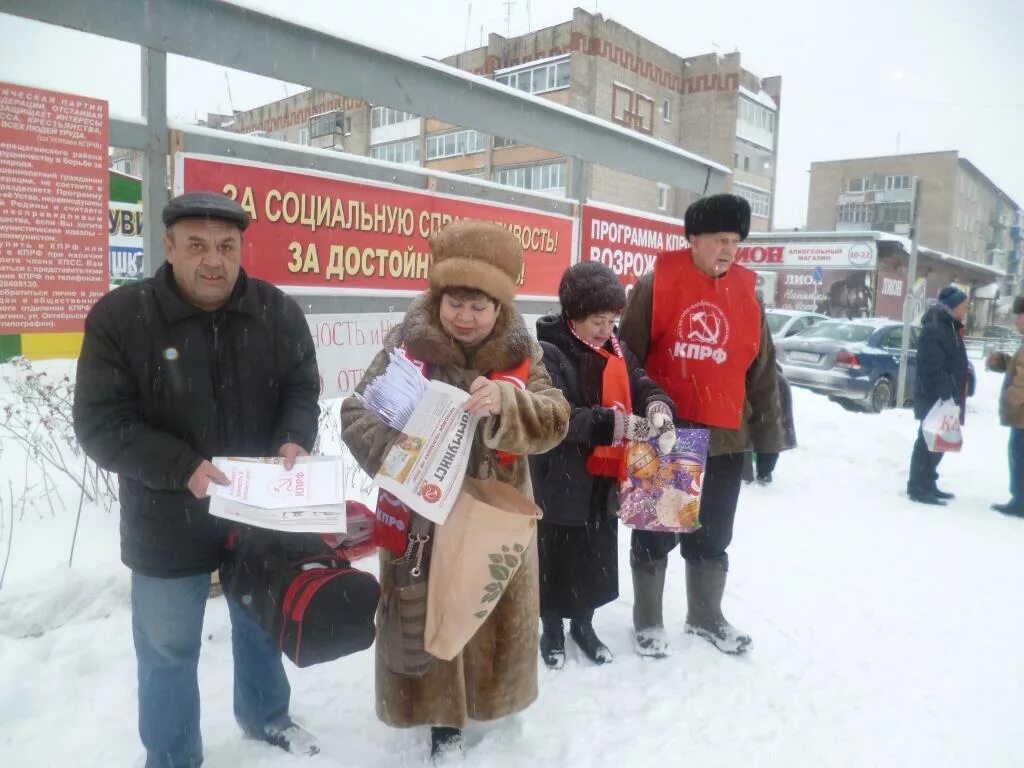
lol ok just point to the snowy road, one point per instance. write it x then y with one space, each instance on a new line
886 634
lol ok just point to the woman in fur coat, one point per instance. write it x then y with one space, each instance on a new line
467 332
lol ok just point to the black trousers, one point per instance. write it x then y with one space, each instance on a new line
722 480
765 463
924 465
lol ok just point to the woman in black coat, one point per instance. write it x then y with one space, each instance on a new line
577 483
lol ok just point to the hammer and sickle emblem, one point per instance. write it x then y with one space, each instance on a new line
704 328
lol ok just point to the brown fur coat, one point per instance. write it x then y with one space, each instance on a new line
496 673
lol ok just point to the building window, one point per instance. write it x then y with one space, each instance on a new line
407 151
123 166
893 183
330 123
381 116
304 135
545 177
455 143
858 185
759 199
746 163
898 213
855 213
662 197
632 109
501 142
666 110
757 115
542 78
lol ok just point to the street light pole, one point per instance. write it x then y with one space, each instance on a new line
909 302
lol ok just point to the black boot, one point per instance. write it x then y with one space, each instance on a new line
648 627
924 496
445 745
942 495
552 642
705 586
1013 509
582 631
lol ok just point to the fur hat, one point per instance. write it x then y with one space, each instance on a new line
1018 305
479 255
718 213
588 288
952 296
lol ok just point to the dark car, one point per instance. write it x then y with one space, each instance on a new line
855 362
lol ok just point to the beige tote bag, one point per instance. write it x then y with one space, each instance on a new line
476 553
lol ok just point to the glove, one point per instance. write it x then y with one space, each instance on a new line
660 418
636 428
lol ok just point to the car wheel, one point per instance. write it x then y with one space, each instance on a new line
881 396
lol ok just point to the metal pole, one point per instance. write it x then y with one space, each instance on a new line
909 302
154 174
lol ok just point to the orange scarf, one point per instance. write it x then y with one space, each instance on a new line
516 376
610 460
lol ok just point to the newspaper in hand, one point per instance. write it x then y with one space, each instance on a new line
426 464
308 498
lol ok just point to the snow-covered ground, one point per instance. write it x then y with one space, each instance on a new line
886 634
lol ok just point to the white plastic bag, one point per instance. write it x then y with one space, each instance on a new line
941 428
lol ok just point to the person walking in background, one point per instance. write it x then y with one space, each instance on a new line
465 331
198 361
697 323
766 461
1011 413
577 484
941 375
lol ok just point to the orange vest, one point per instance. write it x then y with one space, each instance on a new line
705 334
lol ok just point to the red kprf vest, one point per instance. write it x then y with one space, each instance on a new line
705 333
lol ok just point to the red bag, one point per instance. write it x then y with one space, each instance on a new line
391 525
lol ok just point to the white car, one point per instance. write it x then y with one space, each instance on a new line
783 323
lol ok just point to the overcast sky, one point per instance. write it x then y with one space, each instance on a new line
859 78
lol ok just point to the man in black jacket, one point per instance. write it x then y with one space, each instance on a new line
941 375
198 361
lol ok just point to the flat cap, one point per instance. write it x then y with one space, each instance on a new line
205 205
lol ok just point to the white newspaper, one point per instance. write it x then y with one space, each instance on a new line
425 466
308 498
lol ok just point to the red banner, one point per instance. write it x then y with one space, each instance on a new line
325 231
626 242
53 209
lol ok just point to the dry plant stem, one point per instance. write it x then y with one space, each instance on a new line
78 517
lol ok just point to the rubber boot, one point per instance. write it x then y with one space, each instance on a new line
552 641
705 586
648 626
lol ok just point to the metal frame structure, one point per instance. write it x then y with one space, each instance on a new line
230 35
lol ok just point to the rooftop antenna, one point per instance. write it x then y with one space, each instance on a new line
231 101
529 17
508 17
469 17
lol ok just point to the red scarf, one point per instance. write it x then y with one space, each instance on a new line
610 460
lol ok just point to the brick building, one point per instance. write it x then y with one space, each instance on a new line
706 104
960 211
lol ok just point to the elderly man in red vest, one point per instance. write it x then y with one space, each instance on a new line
697 321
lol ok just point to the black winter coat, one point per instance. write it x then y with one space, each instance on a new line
163 385
941 361
562 487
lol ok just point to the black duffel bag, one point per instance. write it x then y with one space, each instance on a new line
304 595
